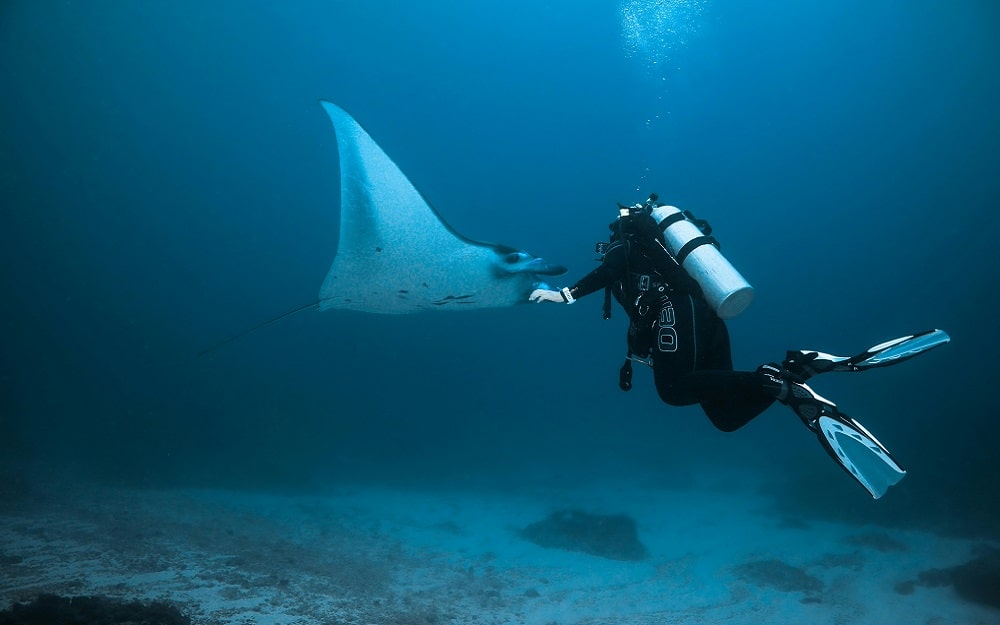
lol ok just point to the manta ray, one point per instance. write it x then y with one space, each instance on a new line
395 253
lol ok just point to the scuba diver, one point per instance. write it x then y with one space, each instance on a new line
665 270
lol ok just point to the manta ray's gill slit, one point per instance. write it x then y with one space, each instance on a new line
455 299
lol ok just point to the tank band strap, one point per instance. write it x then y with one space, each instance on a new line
671 220
694 243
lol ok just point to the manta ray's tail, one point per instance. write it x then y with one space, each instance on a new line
228 340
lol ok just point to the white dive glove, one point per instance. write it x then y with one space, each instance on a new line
562 296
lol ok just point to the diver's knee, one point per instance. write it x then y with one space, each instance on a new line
674 395
724 423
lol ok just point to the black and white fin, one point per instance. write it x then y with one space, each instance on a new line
859 453
803 364
898 350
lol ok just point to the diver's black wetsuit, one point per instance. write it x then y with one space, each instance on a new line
670 320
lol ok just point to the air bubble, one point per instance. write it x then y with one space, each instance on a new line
652 29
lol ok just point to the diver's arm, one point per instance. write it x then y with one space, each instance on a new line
594 281
611 268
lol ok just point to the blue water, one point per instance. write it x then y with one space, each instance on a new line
168 178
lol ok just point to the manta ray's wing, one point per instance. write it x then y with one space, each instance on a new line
396 254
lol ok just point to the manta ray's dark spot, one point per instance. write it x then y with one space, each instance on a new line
403 291
378 249
424 284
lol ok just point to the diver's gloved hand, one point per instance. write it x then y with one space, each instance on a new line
562 296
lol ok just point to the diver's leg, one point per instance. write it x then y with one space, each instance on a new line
730 399
675 349
692 363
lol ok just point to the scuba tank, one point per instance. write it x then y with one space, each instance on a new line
690 242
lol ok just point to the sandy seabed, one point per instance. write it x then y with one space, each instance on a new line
410 556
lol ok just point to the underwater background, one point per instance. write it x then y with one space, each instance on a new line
168 179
